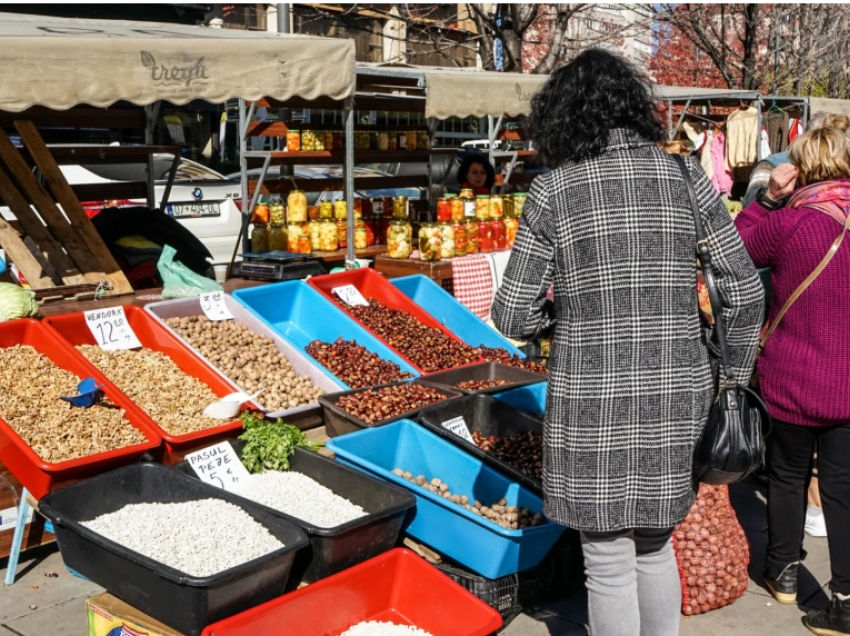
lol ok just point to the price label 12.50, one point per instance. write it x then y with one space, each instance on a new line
111 329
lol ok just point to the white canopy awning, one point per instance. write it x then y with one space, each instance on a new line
686 92
835 106
59 63
458 93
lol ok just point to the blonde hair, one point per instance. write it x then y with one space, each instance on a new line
823 119
820 155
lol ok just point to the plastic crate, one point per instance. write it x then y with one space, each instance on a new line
300 315
489 417
302 364
335 549
38 476
186 603
451 313
73 331
372 285
397 587
528 399
340 422
486 371
475 543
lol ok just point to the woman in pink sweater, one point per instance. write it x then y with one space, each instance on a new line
804 369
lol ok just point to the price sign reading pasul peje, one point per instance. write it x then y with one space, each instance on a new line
457 425
214 306
351 296
111 329
219 466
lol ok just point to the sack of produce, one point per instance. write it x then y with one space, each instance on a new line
16 302
712 553
178 281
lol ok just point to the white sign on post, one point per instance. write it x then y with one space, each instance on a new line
351 296
219 466
111 329
215 307
457 425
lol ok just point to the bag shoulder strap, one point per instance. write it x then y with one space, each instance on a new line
833 249
704 253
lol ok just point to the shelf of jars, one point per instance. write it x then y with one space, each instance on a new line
307 157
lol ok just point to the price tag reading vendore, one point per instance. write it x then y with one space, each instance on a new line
351 296
219 466
111 329
215 307
457 425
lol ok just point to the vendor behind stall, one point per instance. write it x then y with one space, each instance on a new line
476 173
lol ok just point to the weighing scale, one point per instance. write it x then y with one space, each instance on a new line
277 265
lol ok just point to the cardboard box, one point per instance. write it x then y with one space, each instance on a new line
109 616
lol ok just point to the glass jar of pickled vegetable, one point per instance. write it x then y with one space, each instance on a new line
399 239
383 140
392 140
315 228
497 206
304 243
329 139
371 232
459 229
422 141
312 141
400 208
456 204
377 205
430 241
444 209
296 202
293 140
277 238
338 140
447 234
260 238
485 237
519 203
293 231
497 231
402 140
412 140
358 208
468 199
482 207
328 236
261 214
342 233
361 239
511 227
340 209
326 209
509 205
471 226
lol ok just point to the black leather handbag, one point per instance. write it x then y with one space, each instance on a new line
731 446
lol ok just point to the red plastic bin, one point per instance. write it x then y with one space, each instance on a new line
373 285
41 477
397 587
73 331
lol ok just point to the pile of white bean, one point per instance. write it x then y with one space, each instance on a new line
198 538
301 497
377 628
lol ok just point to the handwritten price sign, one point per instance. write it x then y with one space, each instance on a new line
351 296
214 306
457 425
218 466
111 329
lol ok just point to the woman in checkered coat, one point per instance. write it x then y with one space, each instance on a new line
630 379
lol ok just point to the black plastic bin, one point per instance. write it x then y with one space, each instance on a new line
488 416
340 422
332 550
487 371
186 603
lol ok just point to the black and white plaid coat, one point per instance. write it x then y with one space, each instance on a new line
630 379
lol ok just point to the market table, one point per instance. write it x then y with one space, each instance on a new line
438 271
333 259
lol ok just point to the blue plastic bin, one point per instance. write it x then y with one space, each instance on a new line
452 313
528 399
300 315
480 545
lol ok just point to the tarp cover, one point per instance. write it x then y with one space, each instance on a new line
59 63
455 93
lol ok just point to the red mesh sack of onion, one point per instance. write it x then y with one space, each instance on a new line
712 553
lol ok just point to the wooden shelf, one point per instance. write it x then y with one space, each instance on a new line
279 128
339 255
325 157
285 185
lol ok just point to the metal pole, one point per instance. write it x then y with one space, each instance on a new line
151 117
243 166
348 175
283 24
669 120
758 138
776 60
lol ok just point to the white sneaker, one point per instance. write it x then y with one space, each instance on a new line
815 522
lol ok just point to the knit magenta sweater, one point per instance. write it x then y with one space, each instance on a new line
804 369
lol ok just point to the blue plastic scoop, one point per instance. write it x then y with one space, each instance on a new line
89 391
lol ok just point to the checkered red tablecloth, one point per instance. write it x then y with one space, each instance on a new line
473 283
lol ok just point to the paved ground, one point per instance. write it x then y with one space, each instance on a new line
38 604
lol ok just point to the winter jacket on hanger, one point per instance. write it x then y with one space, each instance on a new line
742 137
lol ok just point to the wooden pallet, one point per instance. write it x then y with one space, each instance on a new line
57 250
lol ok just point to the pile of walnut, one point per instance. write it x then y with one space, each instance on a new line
251 360
56 431
712 553
172 399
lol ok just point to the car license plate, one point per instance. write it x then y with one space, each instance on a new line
193 210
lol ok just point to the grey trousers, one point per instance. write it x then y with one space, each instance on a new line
633 586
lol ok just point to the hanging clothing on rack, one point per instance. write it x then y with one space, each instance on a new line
795 129
764 141
721 179
742 137
705 159
776 123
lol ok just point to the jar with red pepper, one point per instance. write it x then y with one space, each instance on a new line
485 236
444 210
499 235
471 236
459 228
342 229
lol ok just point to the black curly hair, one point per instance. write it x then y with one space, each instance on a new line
573 113
466 164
